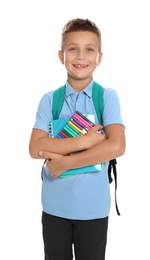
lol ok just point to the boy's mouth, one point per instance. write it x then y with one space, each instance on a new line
80 66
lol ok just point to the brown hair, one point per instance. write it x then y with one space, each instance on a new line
78 24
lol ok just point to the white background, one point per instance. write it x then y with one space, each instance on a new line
29 66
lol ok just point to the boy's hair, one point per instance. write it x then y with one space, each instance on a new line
78 24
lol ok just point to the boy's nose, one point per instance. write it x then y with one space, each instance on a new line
80 58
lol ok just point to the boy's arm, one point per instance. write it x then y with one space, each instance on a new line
40 141
112 147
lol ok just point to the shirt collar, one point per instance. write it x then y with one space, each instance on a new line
87 90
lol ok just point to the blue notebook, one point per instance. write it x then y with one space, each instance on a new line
66 127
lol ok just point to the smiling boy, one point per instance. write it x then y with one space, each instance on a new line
76 209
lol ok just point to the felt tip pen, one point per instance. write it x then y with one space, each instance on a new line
63 134
60 136
76 128
77 123
72 131
67 131
83 121
85 118
89 122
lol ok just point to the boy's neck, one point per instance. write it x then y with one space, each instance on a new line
77 84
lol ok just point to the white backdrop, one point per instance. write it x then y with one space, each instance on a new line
29 66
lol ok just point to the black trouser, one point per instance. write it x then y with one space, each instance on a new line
88 237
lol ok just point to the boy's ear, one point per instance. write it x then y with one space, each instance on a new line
100 58
61 56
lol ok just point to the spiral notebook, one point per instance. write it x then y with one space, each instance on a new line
75 126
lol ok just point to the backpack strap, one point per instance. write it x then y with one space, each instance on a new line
112 166
97 97
58 100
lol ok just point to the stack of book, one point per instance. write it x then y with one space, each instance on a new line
75 126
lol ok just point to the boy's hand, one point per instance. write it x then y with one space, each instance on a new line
92 137
55 163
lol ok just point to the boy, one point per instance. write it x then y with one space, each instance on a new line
76 209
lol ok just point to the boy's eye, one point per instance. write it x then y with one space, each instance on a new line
90 49
72 49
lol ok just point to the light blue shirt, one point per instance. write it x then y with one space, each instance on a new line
84 196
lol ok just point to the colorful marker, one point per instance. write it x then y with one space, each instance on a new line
76 128
72 131
83 121
67 131
77 122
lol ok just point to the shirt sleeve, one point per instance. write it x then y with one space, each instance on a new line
44 114
112 109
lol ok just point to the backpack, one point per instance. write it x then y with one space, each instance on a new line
97 97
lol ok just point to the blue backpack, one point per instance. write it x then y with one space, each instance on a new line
97 97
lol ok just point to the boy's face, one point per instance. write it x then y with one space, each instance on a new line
81 54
